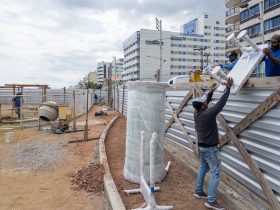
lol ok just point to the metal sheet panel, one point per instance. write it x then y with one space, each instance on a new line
261 139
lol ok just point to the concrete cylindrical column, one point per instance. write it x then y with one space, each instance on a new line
146 112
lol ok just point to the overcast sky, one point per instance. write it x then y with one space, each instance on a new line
57 42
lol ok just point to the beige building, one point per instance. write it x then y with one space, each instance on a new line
92 77
249 15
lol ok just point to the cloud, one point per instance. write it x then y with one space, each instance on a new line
59 41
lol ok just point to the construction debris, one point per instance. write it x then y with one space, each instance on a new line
90 179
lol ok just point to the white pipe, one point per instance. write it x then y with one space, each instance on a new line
231 38
152 161
243 35
133 191
167 166
164 207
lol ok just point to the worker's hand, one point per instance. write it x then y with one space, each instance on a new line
214 87
229 82
266 51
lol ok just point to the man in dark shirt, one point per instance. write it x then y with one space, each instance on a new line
17 102
208 140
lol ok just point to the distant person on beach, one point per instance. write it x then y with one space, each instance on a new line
17 103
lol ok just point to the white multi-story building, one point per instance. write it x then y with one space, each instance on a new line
103 71
180 51
117 67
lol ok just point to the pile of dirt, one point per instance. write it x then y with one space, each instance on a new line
90 179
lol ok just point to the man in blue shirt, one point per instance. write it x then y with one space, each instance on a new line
17 102
233 58
272 57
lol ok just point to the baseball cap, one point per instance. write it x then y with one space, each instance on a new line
198 102
275 38
232 54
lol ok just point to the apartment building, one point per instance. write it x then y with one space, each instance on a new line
103 71
249 15
181 51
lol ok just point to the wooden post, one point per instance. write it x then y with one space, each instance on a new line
45 93
179 109
114 100
64 95
179 123
14 93
86 125
74 111
118 106
100 96
258 112
123 98
256 171
21 114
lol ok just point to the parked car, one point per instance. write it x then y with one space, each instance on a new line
179 79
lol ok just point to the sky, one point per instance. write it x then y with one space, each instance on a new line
57 42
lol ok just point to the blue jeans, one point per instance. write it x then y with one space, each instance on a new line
209 160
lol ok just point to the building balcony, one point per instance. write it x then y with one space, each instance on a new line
233 3
235 28
233 15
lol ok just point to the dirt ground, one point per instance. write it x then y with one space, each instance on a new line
36 169
176 190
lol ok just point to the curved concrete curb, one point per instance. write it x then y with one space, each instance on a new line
113 198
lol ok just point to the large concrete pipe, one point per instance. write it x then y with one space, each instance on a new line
48 111
146 108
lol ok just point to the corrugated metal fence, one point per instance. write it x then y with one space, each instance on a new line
32 96
261 139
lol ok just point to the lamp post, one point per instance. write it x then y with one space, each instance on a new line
159 28
201 55
158 73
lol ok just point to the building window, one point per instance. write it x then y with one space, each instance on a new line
250 13
253 30
205 16
271 4
217 22
272 24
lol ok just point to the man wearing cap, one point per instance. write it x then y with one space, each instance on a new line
17 103
272 57
208 140
233 58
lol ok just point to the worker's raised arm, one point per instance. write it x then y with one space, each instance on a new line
214 110
210 94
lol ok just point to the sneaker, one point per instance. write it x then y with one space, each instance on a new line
214 205
200 195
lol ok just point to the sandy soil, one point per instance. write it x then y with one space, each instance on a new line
177 188
49 187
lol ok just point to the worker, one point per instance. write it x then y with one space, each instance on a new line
233 58
95 98
208 140
272 57
17 102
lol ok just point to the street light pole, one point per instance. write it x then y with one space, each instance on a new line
201 55
159 28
